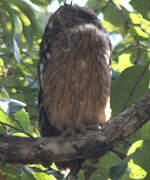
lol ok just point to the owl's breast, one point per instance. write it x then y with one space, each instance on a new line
76 79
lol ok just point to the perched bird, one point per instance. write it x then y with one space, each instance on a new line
74 73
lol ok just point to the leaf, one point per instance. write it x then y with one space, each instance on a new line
142 7
137 33
20 134
139 164
4 93
23 118
40 2
110 22
96 5
124 62
135 17
3 117
11 106
18 24
144 131
1 62
103 166
39 172
11 172
115 75
121 88
117 171
34 13
81 175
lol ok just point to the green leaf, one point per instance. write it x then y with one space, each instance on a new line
81 175
40 2
142 7
137 33
1 62
135 18
34 13
103 166
121 88
124 61
117 171
110 22
24 119
144 131
96 5
139 164
39 172
4 93
3 117
18 24
20 134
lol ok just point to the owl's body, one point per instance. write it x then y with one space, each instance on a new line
74 74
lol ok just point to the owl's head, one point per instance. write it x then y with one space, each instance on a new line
71 15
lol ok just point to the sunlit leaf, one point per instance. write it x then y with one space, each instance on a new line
3 117
23 118
142 7
20 134
124 62
137 33
4 93
110 20
135 18
139 164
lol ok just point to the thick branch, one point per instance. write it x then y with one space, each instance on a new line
90 145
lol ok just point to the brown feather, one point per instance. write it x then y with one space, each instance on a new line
74 73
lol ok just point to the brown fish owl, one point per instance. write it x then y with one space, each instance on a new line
73 71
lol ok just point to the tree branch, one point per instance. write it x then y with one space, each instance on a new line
95 143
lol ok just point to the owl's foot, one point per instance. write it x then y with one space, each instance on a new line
72 133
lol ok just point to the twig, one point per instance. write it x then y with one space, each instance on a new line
104 7
28 66
119 51
19 124
131 93
17 129
33 82
123 14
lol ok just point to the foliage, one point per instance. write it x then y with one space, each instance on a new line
22 23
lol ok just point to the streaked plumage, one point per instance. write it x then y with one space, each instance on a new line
73 71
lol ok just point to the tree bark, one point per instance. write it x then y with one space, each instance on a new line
93 143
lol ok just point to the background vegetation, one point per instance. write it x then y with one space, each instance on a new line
22 23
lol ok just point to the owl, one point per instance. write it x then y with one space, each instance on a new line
74 74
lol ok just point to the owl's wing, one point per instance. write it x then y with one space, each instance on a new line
45 51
